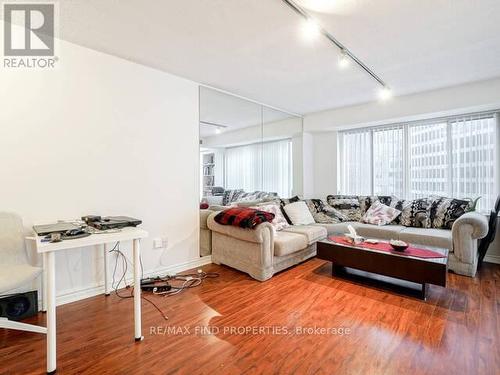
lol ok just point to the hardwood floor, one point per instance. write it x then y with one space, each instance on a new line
456 331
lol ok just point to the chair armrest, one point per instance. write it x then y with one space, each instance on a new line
256 235
477 221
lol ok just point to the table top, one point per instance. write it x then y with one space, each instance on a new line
394 253
124 234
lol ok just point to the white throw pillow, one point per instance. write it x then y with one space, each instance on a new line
380 214
279 222
298 213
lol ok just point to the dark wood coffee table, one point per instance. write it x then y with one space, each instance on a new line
391 269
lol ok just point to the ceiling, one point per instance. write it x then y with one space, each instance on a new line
254 48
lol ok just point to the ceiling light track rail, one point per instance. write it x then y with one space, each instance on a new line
336 42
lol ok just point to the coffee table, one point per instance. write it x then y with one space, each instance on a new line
391 269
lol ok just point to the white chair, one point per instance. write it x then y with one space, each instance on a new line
15 271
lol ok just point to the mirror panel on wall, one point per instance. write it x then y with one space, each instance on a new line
245 147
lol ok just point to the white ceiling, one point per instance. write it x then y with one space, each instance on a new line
254 47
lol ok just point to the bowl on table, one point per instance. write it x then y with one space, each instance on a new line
398 245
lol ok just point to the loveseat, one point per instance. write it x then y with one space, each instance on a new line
261 252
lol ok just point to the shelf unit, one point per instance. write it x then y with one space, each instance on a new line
208 173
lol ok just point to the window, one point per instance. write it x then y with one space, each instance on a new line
355 165
260 166
454 157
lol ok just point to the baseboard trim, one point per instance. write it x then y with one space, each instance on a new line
74 295
492 259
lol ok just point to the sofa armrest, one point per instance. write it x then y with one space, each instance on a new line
204 214
256 235
466 230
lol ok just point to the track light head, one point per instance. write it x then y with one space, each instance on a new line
344 60
310 29
385 93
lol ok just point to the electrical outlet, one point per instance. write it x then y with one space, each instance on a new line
160 243
157 243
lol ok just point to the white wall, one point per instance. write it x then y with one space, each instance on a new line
484 95
101 135
468 98
324 164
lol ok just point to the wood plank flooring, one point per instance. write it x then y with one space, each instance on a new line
456 331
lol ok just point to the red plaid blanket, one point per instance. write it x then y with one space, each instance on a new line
243 217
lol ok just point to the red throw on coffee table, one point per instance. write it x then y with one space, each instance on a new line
385 246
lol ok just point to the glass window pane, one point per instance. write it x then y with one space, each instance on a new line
428 160
473 160
388 161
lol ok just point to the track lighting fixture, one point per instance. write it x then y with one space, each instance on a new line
312 28
344 60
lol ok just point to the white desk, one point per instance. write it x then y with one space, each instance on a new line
47 249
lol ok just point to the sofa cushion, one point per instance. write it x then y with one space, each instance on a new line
444 212
313 233
347 204
284 202
416 213
322 212
298 213
427 237
380 214
287 243
386 232
279 222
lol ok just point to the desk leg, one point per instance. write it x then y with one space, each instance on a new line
106 272
137 291
51 312
44 282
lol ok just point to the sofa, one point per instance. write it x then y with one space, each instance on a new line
262 252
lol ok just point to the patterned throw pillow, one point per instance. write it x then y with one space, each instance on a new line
399 204
323 213
348 205
243 217
415 213
284 202
444 211
380 214
231 196
279 222
365 202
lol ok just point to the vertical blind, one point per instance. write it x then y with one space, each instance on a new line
260 166
355 166
454 157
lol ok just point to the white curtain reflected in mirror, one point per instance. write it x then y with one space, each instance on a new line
246 154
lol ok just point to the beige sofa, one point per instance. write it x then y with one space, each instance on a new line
205 234
261 253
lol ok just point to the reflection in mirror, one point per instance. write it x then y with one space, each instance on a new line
246 155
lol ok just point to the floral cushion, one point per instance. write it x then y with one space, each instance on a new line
366 201
444 211
348 205
279 222
380 214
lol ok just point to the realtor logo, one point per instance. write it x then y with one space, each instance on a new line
29 29
29 35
